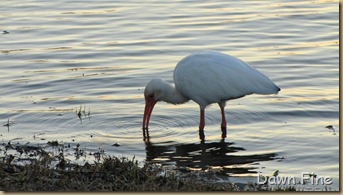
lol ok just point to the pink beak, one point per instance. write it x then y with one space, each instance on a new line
149 106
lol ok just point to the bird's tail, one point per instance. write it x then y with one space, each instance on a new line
265 86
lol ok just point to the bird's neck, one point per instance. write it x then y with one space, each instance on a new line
172 96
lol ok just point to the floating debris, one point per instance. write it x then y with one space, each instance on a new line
9 123
331 128
116 144
5 32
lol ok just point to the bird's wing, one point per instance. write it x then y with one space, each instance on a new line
209 77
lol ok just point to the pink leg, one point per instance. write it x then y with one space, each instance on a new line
223 125
202 124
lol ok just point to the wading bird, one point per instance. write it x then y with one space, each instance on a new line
207 77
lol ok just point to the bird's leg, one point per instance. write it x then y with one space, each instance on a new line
223 125
202 124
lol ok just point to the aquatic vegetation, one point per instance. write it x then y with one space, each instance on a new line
82 113
8 124
40 170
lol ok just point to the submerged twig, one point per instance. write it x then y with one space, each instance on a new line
8 124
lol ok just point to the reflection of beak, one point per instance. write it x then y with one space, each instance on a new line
149 106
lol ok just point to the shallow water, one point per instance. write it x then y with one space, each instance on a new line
60 57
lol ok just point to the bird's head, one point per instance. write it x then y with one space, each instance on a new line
159 90
153 93
154 89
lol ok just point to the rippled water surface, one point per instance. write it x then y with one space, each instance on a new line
75 71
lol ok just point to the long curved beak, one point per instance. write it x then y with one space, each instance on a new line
149 106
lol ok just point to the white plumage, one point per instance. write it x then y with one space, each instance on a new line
207 77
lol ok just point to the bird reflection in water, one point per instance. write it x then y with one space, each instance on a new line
204 155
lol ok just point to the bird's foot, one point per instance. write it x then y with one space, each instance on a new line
223 131
201 135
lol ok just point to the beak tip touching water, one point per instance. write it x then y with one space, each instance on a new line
149 106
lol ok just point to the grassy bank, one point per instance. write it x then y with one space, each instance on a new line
35 169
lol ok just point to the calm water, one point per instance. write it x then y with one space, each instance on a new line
60 57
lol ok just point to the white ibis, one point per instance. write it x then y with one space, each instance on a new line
207 77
